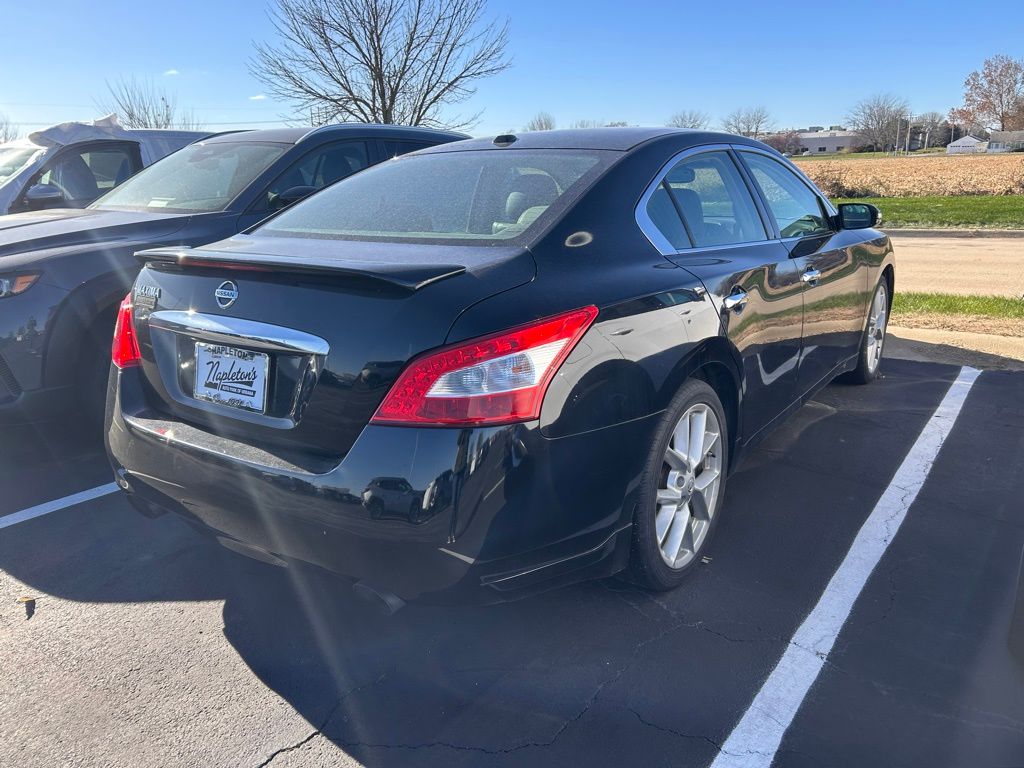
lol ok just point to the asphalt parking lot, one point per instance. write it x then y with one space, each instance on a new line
147 645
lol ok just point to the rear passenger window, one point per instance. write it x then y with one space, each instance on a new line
703 201
664 215
394 148
797 210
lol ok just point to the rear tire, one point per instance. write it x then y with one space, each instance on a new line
869 358
682 487
94 370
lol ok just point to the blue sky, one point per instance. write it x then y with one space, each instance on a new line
577 59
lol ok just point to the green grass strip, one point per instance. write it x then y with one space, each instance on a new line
964 211
948 304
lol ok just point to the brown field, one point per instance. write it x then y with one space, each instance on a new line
925 176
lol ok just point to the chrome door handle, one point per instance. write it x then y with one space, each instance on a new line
736 301
810 276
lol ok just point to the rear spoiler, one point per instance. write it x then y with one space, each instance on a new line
409 277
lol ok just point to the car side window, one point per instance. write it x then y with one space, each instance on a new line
797 210
703 201
317 169
394 147
85 174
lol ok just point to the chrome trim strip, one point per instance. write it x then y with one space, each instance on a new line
234 330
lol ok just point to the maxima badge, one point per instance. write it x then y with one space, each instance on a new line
226 294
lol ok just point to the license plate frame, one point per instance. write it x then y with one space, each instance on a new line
231 376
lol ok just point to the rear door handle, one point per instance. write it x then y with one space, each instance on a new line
736 301
811 276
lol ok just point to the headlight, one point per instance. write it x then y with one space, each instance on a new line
12 285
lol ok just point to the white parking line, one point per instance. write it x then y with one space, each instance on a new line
58 504
756 738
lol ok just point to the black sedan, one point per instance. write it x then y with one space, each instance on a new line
559 343
64 272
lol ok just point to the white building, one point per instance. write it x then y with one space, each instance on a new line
965 146
829 142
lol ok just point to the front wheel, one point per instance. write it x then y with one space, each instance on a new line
682 488
870 357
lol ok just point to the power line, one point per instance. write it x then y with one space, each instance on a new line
212 122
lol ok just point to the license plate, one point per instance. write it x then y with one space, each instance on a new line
231 376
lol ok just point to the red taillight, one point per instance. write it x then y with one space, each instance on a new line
496 379
125 349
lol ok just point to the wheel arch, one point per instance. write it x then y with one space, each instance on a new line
81 319
716 362
889 275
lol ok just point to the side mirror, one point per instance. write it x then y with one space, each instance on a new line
40 196
859 216
290 196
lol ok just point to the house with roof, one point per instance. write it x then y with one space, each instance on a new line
1005 141
965 145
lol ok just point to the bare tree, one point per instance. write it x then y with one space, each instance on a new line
994 97
141 104
690 118
542 121
933 126
879 120
784 141
8 130
380 61
598 124
748 121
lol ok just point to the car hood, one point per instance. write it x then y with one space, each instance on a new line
64 227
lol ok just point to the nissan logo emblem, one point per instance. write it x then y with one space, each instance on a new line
226 294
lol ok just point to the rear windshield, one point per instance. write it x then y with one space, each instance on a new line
484 196
197 179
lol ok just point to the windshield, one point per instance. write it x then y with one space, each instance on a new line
483 196
197 179
13 159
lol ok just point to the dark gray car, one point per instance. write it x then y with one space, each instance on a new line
63 271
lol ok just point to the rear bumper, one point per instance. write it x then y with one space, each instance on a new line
481 514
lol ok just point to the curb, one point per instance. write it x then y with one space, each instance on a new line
901 232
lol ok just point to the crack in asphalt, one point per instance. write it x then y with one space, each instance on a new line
708 739
591 700
699 624
1011 724
674 732
319 729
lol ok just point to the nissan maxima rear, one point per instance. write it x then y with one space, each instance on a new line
493 367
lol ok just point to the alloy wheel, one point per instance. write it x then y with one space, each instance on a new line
690 480
877 321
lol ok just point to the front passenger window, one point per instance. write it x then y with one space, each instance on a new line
83 175
796 209
316 170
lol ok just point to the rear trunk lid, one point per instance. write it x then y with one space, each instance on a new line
304 336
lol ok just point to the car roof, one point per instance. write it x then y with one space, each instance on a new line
158 133
617 139
295 135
